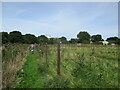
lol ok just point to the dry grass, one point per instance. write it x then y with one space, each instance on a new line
12 64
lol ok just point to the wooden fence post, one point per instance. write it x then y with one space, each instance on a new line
58 49
46 52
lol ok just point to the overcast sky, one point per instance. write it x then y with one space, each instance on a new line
61 18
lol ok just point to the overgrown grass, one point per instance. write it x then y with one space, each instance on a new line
13 57
81 67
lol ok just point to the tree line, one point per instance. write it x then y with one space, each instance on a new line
82 37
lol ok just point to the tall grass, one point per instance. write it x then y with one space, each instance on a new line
81 67
13 57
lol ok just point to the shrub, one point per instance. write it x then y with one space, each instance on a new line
57 82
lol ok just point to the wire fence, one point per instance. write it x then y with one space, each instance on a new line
44 51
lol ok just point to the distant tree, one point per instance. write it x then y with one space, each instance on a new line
96 38
83 37
113 40
29 39
63 40
73 41
53 41
42 39
118 41
15 37
5 37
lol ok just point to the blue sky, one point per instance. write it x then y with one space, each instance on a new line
61 18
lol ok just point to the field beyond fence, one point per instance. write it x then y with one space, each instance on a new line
64 66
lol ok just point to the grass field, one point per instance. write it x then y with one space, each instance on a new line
81 67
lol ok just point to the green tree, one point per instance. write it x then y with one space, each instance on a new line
52 41
73 41
96 38
118 41
30 38
63 40
113 40
83 37
5 37
42 39
15 37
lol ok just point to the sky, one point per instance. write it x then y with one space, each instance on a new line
59 19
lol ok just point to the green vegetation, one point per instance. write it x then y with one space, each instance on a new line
96 38
29 39
83 65
82 37
87 67
31 73
13 58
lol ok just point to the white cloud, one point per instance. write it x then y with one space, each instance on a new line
64 22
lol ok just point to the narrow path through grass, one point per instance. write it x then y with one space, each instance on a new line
31 77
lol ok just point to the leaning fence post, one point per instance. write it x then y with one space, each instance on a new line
58 49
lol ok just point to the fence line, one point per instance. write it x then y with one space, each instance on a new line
60 47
